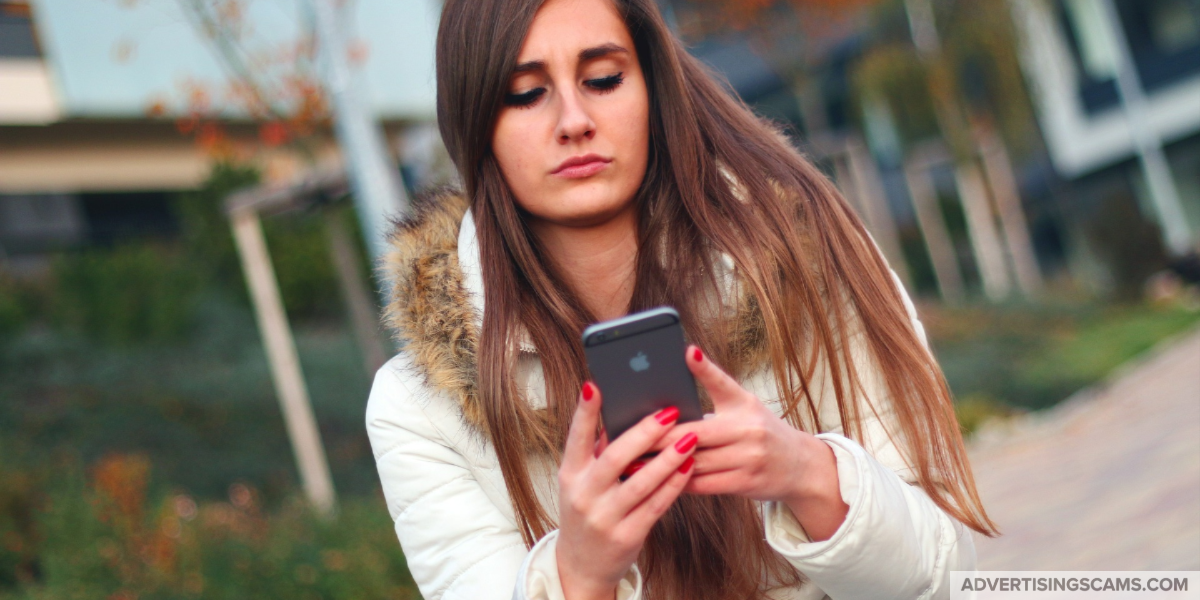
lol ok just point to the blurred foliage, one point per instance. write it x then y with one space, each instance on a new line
205 231
147 291
13 314
998 358
1129 244
980 41
977 71
152 347
299 249
111 533
19 498
976 409
205 409
132 293
298 244
895 72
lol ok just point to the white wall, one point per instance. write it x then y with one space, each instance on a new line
1080 143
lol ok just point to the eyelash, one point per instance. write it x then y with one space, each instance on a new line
602 85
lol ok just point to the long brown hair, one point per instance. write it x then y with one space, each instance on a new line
803 260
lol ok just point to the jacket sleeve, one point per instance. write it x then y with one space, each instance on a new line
895 542
459 545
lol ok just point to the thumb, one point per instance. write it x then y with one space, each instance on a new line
724 391
581 438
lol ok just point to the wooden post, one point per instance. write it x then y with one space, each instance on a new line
981 227
872 202
933 229
355 293
1015 227
285 364
844 177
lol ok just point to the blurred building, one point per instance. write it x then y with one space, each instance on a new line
90 95
1086 203
1071 63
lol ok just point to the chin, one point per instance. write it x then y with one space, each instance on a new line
587 208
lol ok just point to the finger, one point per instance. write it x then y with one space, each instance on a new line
726 458
713 433
635 442
601 441
723 389
649 478
721 482
581 438
646 514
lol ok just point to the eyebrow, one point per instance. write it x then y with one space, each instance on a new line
584 55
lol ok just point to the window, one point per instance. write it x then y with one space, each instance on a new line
17 37
1163 36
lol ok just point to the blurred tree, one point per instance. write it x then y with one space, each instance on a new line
273 84
933 82
718 15
910 84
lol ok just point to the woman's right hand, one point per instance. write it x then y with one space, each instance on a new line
603 521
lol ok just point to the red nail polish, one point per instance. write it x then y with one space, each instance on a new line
667 415
588 390
686 443
687 464
697 355
633 468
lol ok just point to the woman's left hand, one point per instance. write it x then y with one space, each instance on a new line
747 450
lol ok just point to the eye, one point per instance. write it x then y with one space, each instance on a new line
606 84
523 99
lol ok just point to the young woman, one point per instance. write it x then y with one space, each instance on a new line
606 171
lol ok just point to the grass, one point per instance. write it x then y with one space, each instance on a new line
204 409
1004 359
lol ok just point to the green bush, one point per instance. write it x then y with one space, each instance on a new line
1032 357
18 501
131 293
108 535
975 410
205 231
298 244
12 313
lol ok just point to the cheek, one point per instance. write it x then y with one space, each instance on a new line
635 138
512 144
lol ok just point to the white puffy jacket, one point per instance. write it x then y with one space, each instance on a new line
446 494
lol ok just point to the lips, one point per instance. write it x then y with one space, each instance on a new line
579 166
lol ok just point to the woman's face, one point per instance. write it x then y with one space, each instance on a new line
577 95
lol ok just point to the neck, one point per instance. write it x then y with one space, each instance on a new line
597 261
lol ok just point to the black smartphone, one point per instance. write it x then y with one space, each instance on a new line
639 365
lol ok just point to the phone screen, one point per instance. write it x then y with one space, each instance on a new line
638 363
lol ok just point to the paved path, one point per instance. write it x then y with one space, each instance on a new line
1108 480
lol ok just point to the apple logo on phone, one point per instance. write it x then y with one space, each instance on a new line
640 362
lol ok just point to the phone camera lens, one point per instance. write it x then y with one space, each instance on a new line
602 337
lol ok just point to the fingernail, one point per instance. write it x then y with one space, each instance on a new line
667 415
633 468
686 443
687 464
589 390
697 355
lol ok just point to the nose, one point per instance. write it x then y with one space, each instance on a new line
574 121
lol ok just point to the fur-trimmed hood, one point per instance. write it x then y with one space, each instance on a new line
430 310
435 309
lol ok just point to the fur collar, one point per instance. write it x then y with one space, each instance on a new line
435 309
